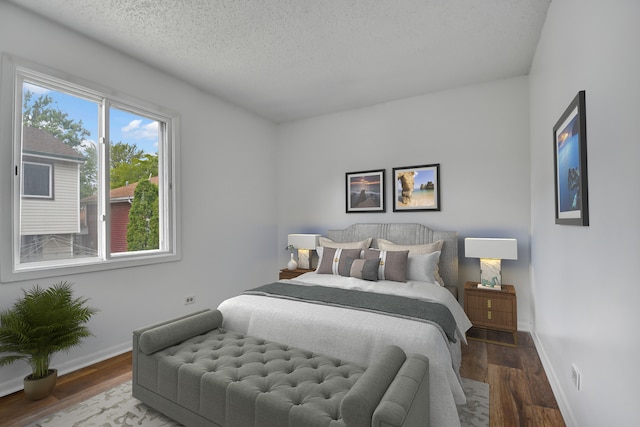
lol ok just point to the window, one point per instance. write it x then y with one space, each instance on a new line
36 180
93 183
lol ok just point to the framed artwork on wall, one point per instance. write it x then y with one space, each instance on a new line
365 191
416 188
570 161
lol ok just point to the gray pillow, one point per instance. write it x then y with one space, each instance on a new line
333 259
393 264
423 267
366 269
425 248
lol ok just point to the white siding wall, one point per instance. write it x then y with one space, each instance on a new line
60 215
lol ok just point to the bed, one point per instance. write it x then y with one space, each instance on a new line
359 334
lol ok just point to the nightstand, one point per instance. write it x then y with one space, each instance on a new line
494 314
285 273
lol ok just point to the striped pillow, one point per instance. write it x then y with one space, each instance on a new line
365 269
392 265
334 260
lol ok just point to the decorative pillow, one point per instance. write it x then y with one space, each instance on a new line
328 243
333 260
393 264
425 248
366 269
423 267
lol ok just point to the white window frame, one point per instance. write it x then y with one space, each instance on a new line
13 72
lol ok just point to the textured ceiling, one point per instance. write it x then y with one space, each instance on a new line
291 59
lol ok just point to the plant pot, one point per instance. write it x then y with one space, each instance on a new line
40 388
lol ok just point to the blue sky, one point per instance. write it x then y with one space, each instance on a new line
126 127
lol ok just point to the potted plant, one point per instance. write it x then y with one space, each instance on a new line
41 323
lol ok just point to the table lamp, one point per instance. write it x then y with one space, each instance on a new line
306 245
491 252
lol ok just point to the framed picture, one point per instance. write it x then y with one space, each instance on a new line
365 191
416 188
570 161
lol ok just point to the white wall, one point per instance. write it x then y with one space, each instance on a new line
584 279
227 195
478 134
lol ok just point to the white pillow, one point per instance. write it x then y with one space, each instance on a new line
364 244
425 248
423 267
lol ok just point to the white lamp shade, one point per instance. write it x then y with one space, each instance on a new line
491 248
303 241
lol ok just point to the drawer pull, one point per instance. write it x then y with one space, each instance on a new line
488 303
489 315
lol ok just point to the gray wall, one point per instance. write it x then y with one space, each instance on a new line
218 193
478 134
584 279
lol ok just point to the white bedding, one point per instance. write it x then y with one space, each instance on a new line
358 336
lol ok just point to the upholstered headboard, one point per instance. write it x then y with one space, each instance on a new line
408 234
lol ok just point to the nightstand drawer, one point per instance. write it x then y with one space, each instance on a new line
480 317
494 303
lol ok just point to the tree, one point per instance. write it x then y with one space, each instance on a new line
122 153
89 172
142 231
130 164
42 113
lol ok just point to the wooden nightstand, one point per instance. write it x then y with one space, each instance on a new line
493 313
285 273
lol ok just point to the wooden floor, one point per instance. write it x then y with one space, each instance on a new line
16 411
519 391
520 394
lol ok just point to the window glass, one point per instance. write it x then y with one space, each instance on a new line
36 180
93 179
60 129
134 179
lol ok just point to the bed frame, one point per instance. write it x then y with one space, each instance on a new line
408 234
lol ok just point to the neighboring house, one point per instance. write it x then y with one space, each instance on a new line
50 209
121 199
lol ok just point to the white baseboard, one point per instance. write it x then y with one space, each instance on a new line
16 384
558 392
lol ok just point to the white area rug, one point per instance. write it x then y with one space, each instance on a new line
116 408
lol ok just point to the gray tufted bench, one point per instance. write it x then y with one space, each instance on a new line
202 375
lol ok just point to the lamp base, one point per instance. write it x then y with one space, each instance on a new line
490 272
307 259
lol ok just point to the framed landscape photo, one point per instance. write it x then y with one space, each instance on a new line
570 161
365 191
416 188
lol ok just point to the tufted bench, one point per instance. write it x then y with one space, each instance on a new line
202 375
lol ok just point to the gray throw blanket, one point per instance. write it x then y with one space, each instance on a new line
430 312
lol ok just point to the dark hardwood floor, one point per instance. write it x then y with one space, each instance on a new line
519 390
16 411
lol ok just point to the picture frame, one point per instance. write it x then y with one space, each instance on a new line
416 188
570 164
365 191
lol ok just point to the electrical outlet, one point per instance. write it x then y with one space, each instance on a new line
576 377
189 299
